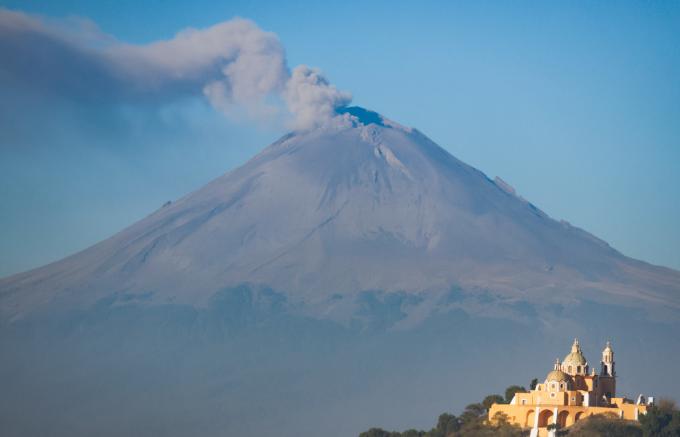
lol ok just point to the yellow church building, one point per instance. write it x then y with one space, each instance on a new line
570 392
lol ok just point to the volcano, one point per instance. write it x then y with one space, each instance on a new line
367 205
340 235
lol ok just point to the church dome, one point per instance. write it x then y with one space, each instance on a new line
575 357
557 376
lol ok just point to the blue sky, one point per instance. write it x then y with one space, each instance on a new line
575 104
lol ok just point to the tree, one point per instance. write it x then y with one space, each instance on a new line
534 383
379 432
510 392
661 420
447 424
492 399
558 429
472 413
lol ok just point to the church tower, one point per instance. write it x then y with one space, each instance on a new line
607 362
607 377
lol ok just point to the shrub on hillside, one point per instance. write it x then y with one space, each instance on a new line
601 425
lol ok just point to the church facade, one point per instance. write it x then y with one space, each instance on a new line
571 391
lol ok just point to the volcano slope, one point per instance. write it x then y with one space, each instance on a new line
349 276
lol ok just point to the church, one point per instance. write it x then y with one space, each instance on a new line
570 392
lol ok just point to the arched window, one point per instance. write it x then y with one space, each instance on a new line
578 369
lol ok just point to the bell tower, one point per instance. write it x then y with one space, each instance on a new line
607 377
607 363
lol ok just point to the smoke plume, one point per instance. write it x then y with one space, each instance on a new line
239 68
